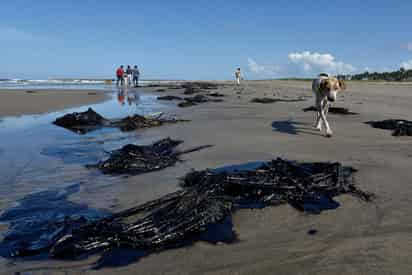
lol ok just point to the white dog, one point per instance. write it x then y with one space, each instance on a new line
326 89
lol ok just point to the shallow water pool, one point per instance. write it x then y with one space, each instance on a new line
36 155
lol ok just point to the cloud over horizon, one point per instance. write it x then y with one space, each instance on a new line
263 70
318 63
407 65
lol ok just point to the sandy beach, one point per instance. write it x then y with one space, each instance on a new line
20 102
357 238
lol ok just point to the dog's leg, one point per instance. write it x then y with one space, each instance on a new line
329 132
319 116
327 104
325 107
318 124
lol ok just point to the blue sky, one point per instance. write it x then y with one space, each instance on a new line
202 39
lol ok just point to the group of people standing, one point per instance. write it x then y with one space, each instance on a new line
128 77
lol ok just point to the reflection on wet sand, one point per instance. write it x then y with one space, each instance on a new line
131 96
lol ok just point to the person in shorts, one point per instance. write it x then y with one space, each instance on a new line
136 75
119 75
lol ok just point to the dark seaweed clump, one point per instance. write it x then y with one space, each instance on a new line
134 122
202 209
89 120
136 159
199 91
195 100
169 97
200 85
41 219
81 122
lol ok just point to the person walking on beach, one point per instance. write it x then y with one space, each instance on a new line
129 73
238 75
136 75
119 75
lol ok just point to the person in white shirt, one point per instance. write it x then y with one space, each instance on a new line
129 73
238 76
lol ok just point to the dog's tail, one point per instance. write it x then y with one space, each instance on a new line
323 75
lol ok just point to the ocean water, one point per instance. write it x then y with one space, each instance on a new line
82 84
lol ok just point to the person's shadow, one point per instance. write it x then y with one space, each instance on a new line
293 127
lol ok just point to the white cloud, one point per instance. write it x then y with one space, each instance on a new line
262 70
13 34
407 65
317 62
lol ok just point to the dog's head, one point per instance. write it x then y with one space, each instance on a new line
331 87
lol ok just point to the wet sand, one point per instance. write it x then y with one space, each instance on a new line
357 238
20 102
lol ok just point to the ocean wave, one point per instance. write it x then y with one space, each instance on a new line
70 83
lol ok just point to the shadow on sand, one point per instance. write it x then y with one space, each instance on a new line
294 128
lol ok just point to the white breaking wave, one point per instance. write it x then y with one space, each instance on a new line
69 83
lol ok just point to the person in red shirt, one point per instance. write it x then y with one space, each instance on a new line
119 74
